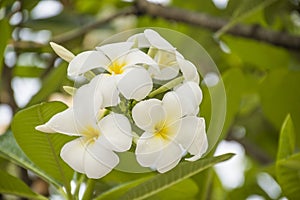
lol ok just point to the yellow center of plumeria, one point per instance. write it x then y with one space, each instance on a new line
116 67
90 134
161 130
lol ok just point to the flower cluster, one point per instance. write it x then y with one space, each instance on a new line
122 108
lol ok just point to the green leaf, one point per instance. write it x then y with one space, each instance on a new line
246 9
42 148
163 181
288 176
186 189
27 71
288 163
12 185
225 105
279 97
253 53
119 190
10 150
287 139
5 35
50 84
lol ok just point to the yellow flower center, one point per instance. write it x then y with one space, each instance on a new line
116 67
161 130
90 134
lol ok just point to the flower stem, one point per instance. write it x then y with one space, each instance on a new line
166 86
89 189
78 183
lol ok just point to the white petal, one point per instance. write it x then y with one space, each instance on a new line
140 40
169 158
115 50
117 131
99 161
148 149
135 83
188 70
62 52
157 41
64 122
105 85
73 154
86 104
136 56
45 128
200 143
146 114
166 73
191 135
172 105
190 96
86 61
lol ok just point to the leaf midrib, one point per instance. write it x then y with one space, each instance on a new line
56 159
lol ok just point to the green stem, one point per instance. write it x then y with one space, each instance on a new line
69 194
166 86
78 184
88 194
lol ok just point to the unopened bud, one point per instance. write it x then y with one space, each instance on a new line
62 52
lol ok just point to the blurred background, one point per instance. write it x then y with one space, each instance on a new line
255 45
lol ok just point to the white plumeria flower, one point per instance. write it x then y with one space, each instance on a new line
170 129
92 153
123 64
168 58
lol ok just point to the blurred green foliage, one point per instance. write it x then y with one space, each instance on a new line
261 81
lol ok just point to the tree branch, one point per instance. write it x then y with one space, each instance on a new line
85 29
255 32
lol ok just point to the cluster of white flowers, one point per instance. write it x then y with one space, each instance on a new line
121 97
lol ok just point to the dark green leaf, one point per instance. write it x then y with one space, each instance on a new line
10 150
119 190
288 176
42 148
50 84
181 172
12 185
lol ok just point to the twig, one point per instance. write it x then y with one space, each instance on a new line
85 29
214 23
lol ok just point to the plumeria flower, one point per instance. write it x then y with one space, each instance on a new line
124 65
93 152
168 58
170 129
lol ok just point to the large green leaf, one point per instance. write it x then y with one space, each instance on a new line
10 150
51 83
186 189
119 190
279 97
288 163
288 176
181 172
42 148
12 185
